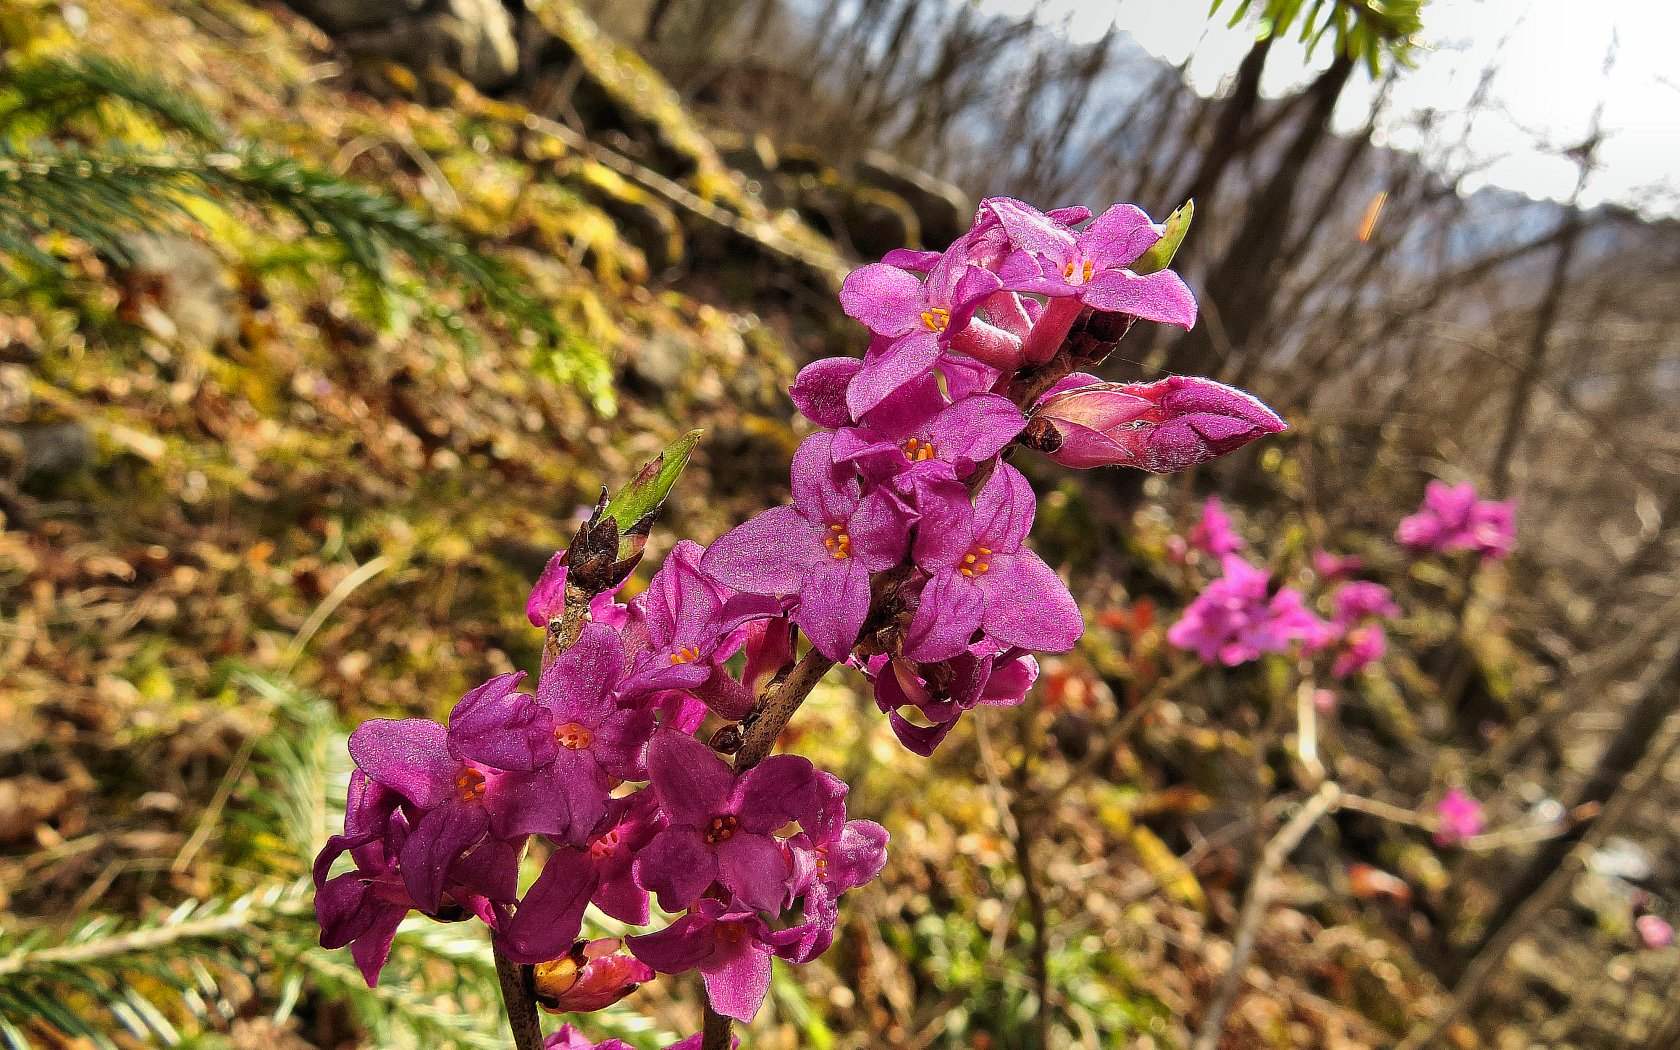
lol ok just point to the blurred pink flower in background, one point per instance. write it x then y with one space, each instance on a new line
1460 818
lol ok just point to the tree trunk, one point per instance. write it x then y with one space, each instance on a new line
1229 131
1240 289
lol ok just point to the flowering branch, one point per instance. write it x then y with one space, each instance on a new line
903 555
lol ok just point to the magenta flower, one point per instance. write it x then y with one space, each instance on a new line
1161 427
614 852
1360 648
447 776
594 742
820 550
683 627
592 976
915 437
719 825
1361 600
941 691
549 916
981 577
835 856
1458 817
730 946
1452 518
1213 533
1336 566
1087 268
917 321
1237 618
363 907
569 1038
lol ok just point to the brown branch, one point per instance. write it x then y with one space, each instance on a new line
518 996
1272 859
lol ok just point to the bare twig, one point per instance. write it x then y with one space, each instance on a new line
1272 859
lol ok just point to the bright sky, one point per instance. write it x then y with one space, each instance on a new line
1550 56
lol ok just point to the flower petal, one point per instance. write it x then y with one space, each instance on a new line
550 915
409 755
441 836
887 300
755 869
819 390
578 686
899 362
1028 605
1118 236
833 603
677 865
768 554
737 987
499 727
1003 510
951 610
770 794
1162 296
691 782
679 947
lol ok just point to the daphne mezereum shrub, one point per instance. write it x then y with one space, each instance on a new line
903 554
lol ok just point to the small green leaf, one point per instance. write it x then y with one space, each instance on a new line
645 493
1160 255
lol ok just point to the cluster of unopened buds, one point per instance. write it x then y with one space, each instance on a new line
903 555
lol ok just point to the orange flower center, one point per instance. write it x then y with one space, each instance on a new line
936 319
469 784
721 829
573 737
822 862
976 562
686 655
838 542
1082 270
918 450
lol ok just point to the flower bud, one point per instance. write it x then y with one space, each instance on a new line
592 976
1161 427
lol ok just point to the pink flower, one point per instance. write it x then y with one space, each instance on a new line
1458 817
730 946
1452 518
821 550
982 577
592 976
1214 533
719 824
1237 618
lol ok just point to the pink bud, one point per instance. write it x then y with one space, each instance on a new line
1654 932
548 597
1162 427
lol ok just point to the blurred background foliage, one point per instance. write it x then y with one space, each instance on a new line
322 323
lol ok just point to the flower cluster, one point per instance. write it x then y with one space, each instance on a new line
1454 518
903 554
439 814
1241 615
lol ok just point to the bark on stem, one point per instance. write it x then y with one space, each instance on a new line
520 1001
